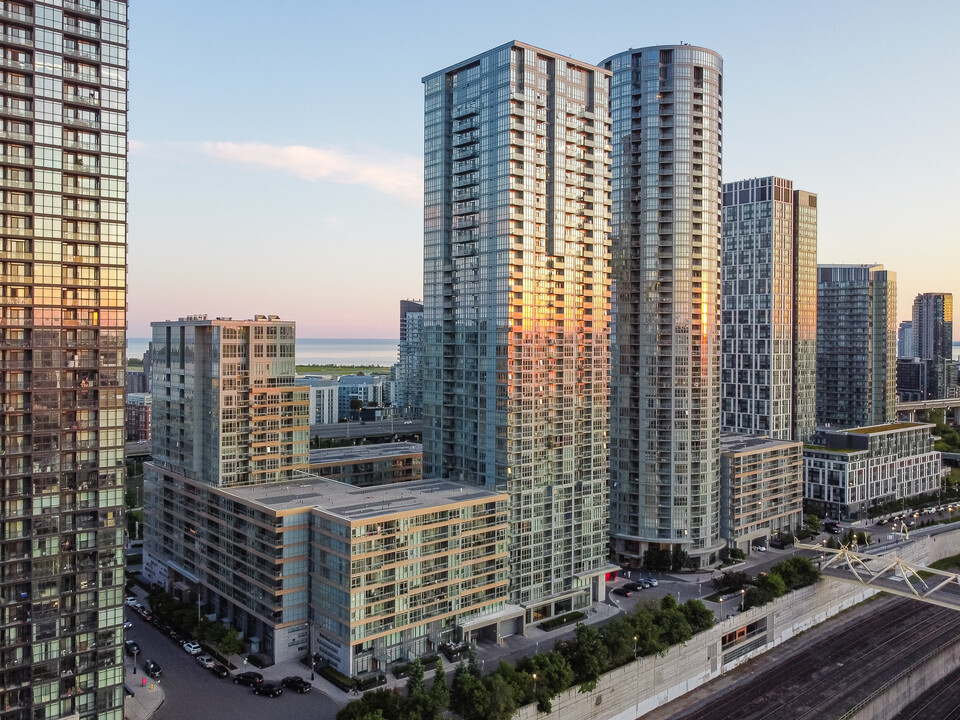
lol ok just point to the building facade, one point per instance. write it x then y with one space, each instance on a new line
933 336
906 345
856 345
769 309
369 465
848 471
666 110
516 295
409 367
138 416
226 413
761 489
62 345
226 406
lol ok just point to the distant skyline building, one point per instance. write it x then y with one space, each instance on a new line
856 345
769 309
666 106
63 283
933 340
409 367
906 343
516 296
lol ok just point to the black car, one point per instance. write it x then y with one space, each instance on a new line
152 668
296 683
248 678
131 648
267 688
219 670
622 591
633 587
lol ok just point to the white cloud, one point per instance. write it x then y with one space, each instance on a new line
399 176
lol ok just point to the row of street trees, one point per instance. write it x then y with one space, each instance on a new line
650 629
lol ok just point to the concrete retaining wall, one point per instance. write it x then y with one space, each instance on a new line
632 690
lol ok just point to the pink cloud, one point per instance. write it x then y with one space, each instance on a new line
398 176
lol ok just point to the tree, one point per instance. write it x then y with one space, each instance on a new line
374 704
230 643
617 637
771 585
415 684
647 631
680 559
501 701
587 656
439 695
468 695
554 675
674 628
698 616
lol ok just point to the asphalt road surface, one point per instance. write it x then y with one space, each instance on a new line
192 692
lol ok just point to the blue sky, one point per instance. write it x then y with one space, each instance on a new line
276 148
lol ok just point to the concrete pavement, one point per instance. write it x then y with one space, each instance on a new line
146 699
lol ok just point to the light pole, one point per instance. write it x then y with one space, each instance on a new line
135 653
636 640
313 664
534 685
743 595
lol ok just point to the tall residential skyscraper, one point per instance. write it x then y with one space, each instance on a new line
409 368
769 300
665 415
933 339
62 347
516 294
856 345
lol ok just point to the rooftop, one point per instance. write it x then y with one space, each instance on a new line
358 453
353 503
888 427
732 442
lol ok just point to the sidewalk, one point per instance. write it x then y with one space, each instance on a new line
145 701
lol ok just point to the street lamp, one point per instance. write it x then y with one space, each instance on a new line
136 652
636 640
313 664
743 595
534 684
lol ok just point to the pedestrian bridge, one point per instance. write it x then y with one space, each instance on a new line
889 573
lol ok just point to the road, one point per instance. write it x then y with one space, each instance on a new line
193 692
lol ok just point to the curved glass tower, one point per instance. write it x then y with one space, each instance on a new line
665 404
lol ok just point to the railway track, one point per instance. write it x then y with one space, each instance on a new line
836 672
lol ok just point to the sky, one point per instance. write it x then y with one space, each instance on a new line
276 148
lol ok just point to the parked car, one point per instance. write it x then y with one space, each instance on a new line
127 625
152 668
206 661
622 591
131 648
219 670
192 647
652 582
297 684
644 583
633 587
759 547
269 689
145 614
129 600
248 678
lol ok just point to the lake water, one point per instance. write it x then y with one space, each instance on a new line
319 351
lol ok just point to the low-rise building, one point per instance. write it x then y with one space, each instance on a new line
761 489
137 418
369 465
847 471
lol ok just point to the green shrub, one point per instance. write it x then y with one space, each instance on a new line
561 620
